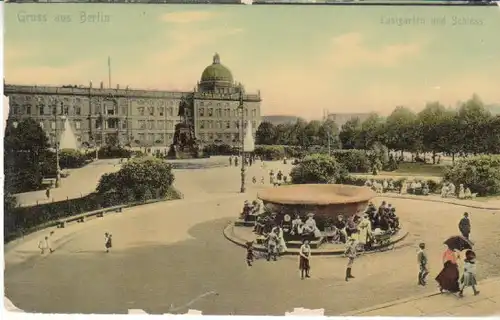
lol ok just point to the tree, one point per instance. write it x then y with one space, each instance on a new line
402 130
139 177
371 132
349 134
318 168
329 134
266 134
473 119
298 133
431 121
25 150
311 133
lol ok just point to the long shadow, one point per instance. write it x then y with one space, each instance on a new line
153 277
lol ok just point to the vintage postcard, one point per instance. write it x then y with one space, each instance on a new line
252 160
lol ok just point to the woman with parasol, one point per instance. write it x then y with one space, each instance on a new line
449 276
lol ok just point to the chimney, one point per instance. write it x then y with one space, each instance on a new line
117 87
102 85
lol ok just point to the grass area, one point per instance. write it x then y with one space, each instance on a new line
417 169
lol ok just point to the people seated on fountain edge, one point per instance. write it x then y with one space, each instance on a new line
310 227
341 225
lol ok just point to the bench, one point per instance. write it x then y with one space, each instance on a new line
61 223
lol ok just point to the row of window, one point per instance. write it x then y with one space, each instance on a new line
227 112
211 124
158 124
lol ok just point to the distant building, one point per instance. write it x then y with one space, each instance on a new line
139 118
277 119
341 118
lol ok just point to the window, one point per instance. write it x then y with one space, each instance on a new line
151 111
254 125
98 123
124 124
53 125
235 112
151 124
201 103
141 111
140 137
254 113
28 109
170 112
210 112
246 113
78 110
160 124
142 124
78 125
124 111
42 110
228 125
202 112
202 124
161 111
202 136
236 124
210 136
218 104
151 137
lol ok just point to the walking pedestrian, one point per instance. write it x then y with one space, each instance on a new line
350 253
250 254
422 263
469 275
464 226
44 245
449 276
304 259
47 193
107 241
272 245
262 180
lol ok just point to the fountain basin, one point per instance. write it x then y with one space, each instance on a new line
325 201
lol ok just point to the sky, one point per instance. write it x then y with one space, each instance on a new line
303 59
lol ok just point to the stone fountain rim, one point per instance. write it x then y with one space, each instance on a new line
289 194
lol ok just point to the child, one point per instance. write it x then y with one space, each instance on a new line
107 241
422 263
350 253
254 180
469 276
262 180
250 254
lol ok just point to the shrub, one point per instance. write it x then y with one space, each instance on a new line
113 152
70 159
270 153
219 150
141 177
353 160
318 168
481 174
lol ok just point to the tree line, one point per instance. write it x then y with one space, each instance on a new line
468 129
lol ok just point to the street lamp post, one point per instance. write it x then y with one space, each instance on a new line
242 137
56 144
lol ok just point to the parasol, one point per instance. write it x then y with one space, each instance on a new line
458 243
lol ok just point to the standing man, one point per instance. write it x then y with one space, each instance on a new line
230 161
350 253
47 193
464 226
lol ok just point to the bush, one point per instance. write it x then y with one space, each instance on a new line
318 168
481 174
353 160
270 153
70 159
140 177
113 152
219 150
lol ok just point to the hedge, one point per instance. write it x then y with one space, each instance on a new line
353 160
219 150
24 220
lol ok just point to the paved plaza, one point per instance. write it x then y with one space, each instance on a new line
171 252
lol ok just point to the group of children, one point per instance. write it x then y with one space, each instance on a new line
468 278
45 245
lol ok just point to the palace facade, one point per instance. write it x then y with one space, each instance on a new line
139 118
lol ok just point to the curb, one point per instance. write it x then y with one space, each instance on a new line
416 198
405 300
229 235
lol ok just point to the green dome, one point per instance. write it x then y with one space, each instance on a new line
216 72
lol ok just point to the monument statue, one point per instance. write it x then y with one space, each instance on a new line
185 144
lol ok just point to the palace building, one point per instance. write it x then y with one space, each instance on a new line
140 118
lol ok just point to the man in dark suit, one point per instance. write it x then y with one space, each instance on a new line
464 226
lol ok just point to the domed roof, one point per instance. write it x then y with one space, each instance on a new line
216 72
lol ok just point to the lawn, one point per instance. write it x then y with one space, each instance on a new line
417 169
